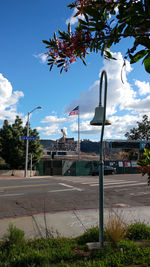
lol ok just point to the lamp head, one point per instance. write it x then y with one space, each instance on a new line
98 117
39 107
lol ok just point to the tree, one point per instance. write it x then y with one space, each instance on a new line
13 148
142 132
144 165
104 23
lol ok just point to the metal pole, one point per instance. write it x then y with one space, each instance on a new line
101 197
78 134
27 142
27 145
31 167
101 168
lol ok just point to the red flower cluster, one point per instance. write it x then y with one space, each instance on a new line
145 169
83 2
72 47
80 4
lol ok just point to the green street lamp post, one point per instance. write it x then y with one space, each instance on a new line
100 120
27 142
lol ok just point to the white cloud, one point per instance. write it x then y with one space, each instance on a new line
8 100
124 105
73 20
119 94
42 57
120 125
49 130
144 88
121 97
85 128
54 119
141 106
55 124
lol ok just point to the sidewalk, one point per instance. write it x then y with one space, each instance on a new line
70 223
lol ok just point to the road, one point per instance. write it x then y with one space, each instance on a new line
28 196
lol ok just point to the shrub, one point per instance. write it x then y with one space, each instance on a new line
90 235
14 236
138 231
5 166
127 245
55 249
30 258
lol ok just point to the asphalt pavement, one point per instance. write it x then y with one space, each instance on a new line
69 223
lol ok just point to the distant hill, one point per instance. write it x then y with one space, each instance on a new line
89 146
47 143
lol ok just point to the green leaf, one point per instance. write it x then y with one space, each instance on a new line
83 60
55 36
59 65
50 60
51 67
138 56
60 60
46 42
146 62
69 28
109 55
82 22
62 55
86 17
61 70
64 35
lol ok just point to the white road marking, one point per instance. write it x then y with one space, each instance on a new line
70 186
109 181
67 185
124 182
11 195
90 183
124 185
115 183
139 193
121 205
62 190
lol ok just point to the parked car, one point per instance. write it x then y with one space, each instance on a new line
107 170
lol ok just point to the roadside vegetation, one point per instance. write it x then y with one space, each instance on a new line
123 246
13 148
144 165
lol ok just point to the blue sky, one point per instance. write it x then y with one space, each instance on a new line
25 80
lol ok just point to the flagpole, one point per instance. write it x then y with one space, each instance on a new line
78 134
76 111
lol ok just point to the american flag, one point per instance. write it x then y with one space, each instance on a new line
75 111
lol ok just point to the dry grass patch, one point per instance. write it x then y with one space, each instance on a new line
115 228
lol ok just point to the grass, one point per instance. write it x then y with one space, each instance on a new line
120 251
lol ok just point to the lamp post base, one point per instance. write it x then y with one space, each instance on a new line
94 245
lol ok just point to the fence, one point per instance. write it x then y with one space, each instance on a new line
77 168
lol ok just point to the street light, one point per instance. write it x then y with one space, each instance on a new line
27 142
100 119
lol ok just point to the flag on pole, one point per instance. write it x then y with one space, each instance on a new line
75 111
